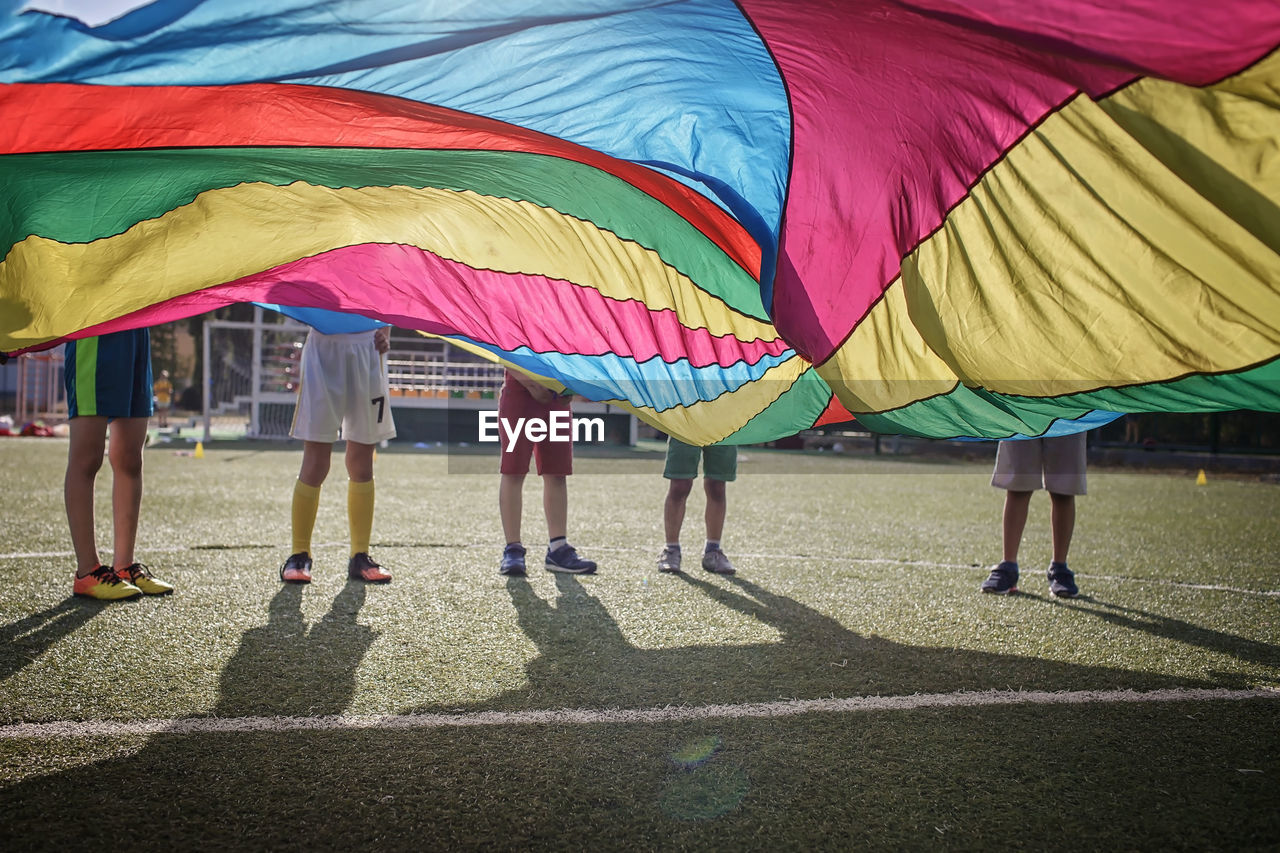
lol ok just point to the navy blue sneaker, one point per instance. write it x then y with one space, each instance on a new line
1062 581
565 559
1003 579
717 561
512 561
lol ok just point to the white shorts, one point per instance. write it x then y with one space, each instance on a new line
1054 464
342 388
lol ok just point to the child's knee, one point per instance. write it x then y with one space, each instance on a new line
85 463
126 463
360 463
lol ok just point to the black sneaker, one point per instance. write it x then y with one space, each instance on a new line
1003 579
296 569
1062 581
565 559
512 561
361 567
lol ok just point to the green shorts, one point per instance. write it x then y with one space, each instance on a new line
720 461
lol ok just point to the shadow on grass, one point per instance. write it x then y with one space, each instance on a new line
24 641
288 668
501 787
185 791
1133 619
586 661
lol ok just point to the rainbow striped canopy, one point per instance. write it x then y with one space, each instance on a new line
982 218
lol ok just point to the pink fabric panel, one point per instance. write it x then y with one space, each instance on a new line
485 305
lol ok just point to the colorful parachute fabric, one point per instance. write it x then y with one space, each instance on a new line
948 217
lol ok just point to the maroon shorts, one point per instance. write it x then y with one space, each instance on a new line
554 457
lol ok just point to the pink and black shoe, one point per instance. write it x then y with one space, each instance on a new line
361 567
296 569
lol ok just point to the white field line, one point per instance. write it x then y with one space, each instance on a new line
175 549
1272 593
570 716
859 561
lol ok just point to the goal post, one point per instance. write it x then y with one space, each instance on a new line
250 377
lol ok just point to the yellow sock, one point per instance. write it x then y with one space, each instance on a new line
306 503
360 515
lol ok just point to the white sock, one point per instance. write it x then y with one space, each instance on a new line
712 545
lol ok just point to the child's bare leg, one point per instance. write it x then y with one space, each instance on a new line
128 436
555 503
717 507
1016 505
1062 524
84 460
511 505
673 509
315 462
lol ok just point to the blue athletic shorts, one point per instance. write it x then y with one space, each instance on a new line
110 375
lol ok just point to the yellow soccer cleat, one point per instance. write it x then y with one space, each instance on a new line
141 577
103 584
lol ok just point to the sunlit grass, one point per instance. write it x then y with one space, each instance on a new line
857 576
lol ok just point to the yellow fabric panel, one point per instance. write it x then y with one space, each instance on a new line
885 364
1081 261
1223 140
1112 246
227 234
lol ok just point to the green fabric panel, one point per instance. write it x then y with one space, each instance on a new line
969 412
87 376
82 196
802 403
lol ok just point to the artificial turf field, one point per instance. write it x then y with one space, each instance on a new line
459 709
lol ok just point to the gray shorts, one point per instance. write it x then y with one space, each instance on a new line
1054 464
